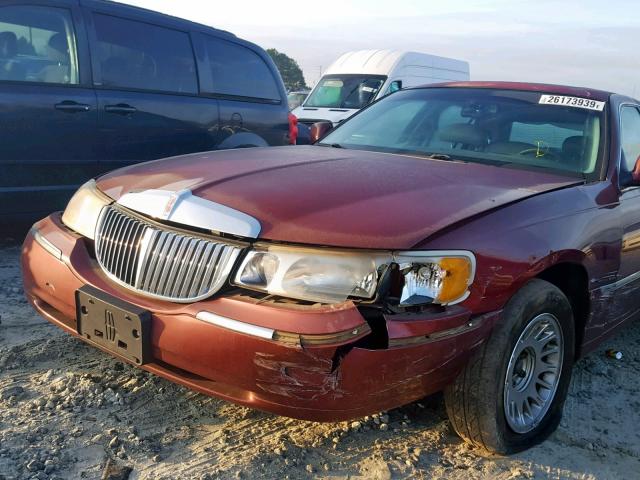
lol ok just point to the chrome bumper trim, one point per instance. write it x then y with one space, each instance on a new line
235 325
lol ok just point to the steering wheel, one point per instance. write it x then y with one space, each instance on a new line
539 153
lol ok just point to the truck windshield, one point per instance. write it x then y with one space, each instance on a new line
521 129
345 91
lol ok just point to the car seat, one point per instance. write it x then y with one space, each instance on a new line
58 53
467 135
572 151
10 69
114 71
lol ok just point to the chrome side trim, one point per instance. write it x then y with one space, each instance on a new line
187 209
623 281
235 325
288 338
470 325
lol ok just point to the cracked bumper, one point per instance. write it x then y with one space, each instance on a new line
290 374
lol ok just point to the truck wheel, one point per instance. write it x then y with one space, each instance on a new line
511 393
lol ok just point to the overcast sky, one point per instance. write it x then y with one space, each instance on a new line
592 43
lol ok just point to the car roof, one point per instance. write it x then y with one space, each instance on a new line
599 95
383 62
159 16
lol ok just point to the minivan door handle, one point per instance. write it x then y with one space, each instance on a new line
120 109
72 107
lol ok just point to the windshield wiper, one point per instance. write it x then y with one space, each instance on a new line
335 145
435 156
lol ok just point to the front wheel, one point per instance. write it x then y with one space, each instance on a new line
511 393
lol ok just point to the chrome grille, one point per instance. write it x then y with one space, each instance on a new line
159 262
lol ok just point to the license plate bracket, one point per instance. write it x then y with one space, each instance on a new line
118 326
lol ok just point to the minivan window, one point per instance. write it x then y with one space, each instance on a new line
139 55
345 91
37 44
240 72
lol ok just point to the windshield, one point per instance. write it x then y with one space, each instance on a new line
500 127
295 99
345 91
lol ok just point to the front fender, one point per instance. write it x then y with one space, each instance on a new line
517 242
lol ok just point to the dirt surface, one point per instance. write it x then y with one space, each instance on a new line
70 411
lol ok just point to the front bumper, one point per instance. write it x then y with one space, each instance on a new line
316 367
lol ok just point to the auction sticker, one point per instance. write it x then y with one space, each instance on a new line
571 102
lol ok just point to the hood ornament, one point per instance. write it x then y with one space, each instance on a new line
171 202
187 209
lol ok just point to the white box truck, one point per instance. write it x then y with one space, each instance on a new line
360 77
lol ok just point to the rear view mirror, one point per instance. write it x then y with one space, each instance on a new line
319 130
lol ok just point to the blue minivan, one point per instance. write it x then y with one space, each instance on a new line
87 86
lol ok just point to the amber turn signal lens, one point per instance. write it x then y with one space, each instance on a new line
457 277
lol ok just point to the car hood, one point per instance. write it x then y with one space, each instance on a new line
337 197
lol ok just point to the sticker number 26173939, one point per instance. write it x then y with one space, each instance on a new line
571 102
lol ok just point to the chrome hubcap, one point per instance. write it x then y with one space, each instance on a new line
533 373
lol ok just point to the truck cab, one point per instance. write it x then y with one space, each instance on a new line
358 78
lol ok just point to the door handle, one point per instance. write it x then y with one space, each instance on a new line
120 109
72 107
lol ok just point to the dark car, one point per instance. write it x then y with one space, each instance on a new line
475 237
88 86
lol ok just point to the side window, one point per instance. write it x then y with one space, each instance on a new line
143 56
240 72
630 121
37 44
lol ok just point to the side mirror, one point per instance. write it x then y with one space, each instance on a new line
395 86
319 130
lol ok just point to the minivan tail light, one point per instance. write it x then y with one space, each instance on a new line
293 129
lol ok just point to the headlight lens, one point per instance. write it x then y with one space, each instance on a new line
433 277
83 210
329 276
332 276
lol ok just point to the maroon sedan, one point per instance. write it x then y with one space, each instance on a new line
472 237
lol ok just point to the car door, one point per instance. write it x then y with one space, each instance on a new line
628 283
253 107
147 86
47 107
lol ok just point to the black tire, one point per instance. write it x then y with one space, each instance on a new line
475 400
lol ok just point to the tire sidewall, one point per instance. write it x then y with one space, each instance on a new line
535 298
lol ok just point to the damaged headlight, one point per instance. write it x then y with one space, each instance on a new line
317 275
332 276
83 210
435 277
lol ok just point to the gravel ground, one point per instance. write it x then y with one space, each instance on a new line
70 411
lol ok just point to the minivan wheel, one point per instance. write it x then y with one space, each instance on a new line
510 395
